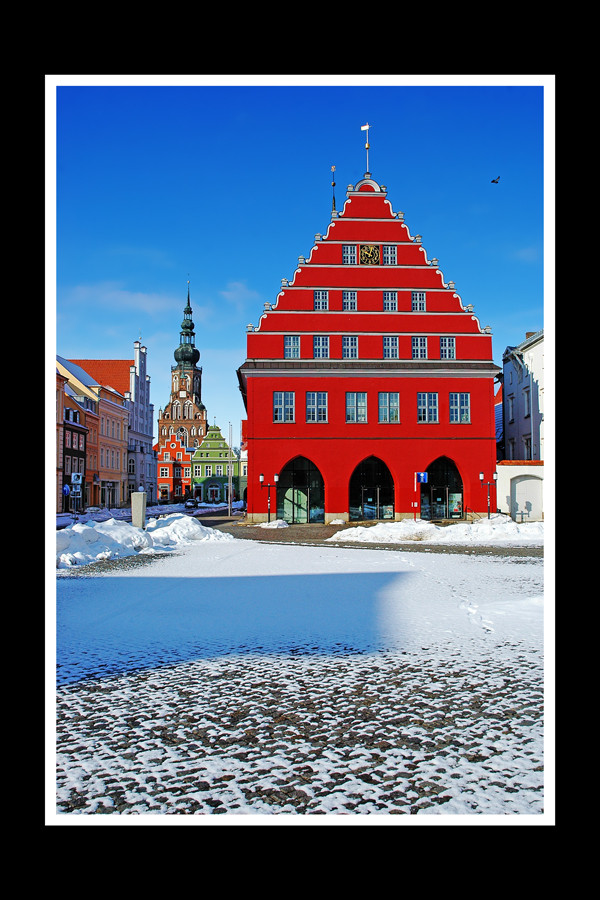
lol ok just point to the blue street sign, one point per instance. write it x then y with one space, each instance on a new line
422 477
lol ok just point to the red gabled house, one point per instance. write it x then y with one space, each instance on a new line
174 462
369 387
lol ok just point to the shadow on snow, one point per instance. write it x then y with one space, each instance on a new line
110 626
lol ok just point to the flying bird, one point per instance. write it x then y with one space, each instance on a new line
496 180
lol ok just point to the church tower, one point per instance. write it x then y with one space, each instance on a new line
184 417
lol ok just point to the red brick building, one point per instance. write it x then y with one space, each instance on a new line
369 387
174 469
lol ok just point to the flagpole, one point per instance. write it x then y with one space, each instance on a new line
366 128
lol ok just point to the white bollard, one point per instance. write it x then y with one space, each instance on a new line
138 509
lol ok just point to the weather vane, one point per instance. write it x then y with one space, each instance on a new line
366 128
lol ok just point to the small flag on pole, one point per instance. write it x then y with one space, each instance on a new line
366 128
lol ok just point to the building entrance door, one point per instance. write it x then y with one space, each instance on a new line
295 505
300 493
442 495
371 491
370 503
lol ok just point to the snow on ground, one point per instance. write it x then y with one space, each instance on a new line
92 539
249 680
95 537
101 513
498 530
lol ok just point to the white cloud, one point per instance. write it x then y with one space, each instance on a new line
109 295
238 294
528 254
112 294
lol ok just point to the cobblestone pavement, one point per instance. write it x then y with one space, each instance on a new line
434 732
318 534
376 735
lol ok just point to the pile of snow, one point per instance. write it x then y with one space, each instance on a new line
278 523
497 530
87 542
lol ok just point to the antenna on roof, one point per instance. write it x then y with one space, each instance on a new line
366 128
333 189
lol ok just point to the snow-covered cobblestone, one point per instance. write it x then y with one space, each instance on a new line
424 733
255 679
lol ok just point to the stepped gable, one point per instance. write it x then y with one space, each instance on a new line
369 385
368 221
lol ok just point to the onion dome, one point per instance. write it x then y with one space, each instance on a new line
187 354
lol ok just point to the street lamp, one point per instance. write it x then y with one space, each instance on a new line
489 484
261 478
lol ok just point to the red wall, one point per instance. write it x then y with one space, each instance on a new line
336 447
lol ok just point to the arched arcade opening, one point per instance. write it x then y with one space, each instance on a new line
371 493
442 494
300 492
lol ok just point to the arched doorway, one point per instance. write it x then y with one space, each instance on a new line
300 492
371 491
442 494
526 499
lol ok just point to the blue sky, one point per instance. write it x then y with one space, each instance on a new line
227 183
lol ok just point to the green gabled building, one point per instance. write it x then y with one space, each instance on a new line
216 466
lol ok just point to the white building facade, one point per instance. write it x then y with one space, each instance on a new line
523 399
520 485
141 458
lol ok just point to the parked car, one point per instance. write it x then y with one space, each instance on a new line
191 503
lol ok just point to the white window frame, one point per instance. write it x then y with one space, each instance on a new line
390 301
320 299
390 346
291 346
427 406
349 301
320 346
356 407
316 406
418 301
284 406
447 348
460 407
349 346
388 254
349 254
419 348
388 406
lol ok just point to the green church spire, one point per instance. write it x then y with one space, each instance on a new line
187 354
